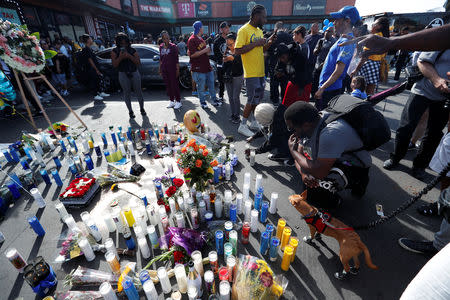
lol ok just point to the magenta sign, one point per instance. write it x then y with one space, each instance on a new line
186 10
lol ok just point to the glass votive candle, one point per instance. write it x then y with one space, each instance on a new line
227 250
224 290
107 291
198 261
113 262
180 275
164 280
213 261
224 274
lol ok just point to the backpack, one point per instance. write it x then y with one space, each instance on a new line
370 124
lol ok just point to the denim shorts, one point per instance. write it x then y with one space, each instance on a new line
255 89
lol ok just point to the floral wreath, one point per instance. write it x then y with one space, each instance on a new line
19 49
78 188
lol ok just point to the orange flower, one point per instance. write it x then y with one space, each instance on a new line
205 152
198 163
214 163
203 147
187 171
195 148
183 150
191 143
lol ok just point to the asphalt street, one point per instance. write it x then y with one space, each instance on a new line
311 274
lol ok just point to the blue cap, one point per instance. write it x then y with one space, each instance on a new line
347 12
197 26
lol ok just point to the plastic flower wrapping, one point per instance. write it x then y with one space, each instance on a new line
69 248
112 175
255 280
82 276
189 239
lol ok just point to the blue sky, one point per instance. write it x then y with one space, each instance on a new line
368 7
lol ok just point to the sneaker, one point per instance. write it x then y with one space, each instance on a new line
422 247
217 103
171 104
418 173
244 130
98 97
255 125
132 116
289 162
194 93
277 157
390 164
204 106
143 112
178 105
411 146
102 94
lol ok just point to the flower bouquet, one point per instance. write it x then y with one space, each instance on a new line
19 49
113 175
256 280
70 248
173 190
196 163
89 277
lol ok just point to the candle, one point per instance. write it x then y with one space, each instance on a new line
14 154
114 264
245 233
273 252
208 216
227 172
224 274
231 265
247 210
245 192
70 222
129 288
285 237
258 198
151 231
254 220
269 229
7 155
122 149
129 216
150 290
56 177
72 167
13 189
273 203
89 163
227 250
143 247
109 221
195 220
293 242
61 210
180 275
233 213
258 181
228 226
15 179
247 178
239 203
209 283
264 242
138 231
110 246
107 291
38 197
86 248
219 242
213 261
36 225
280 227
98 151
24 163
227 203
287 256
264 211
224 289
16 259
198 261
180 219
38 148
218 206
192 292
93 229
164 280
57 161
233 236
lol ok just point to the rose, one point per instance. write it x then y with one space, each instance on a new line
183 150
187 171
203 147
195 148
205 152
198 163
171 191
214 163
178 256
178 182
191 143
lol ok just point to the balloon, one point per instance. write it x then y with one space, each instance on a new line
325 22
192 121
330 24
325 28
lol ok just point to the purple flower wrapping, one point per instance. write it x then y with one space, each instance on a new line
189 239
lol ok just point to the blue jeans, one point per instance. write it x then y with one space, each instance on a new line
202 79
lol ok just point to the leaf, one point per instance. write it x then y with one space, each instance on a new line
37 35
49 54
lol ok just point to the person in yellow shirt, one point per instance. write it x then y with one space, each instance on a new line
369 67
251 44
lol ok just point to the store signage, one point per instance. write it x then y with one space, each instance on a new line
308 7
10 15
203 9
155 8
186 10
244 8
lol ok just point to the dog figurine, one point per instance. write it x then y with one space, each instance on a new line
349 241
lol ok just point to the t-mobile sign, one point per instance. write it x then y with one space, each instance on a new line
186 10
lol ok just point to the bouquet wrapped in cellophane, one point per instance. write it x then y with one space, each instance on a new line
255 280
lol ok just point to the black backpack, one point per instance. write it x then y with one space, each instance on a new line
370 124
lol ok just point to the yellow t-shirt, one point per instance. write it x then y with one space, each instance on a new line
252 61
376 57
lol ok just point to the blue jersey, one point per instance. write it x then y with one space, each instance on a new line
343 54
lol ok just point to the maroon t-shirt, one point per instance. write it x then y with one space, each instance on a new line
168 58
199 64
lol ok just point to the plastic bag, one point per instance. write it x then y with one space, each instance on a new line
89 277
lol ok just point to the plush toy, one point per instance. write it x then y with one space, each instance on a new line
59 127
192 121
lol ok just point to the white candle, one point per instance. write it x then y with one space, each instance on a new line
180 220
273 203
247 178
172 206
143 247
180 275
239 203
138 231
70 222
131 148
246 192
258 182
61 210
247 211
227 203
232 149
164 280
207 201
151 213
109 222
150 290
227 172
107 292
198 263
252 158
38 148
218 206
224 289
110 246
38 197
254 220
86 248
192 292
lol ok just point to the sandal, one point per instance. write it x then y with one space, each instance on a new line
428 209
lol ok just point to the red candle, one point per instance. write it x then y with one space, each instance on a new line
245 232
224 274
142 134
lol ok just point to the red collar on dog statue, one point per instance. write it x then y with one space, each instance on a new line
321 220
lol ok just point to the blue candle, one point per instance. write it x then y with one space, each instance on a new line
129 136
258 198
264 211
264 242
120 129
63 146
7 155
114 139
56 177
216 174
269 229
160 193
13 189
45 176
106 152
105 142
72 167
157 134
89 163
219 242
130 289
98 151
119 136
148 147
150 133
130 243
274 244
72 143
15 179
28 153
15 155
24 163
144 199
57 161
36 225
233 213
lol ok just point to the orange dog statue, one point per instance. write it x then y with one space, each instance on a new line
349 241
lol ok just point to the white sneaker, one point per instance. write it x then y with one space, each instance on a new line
178 105
171 104
255 125
98 97
244 130
102 94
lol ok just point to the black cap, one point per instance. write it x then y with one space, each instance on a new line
224 24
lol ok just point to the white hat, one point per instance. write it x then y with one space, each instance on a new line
264 113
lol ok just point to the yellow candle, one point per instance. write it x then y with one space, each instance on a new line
129 216
113 262
285 237
280 227
293 242
91 144
286 262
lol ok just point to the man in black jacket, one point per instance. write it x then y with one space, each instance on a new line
220 47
